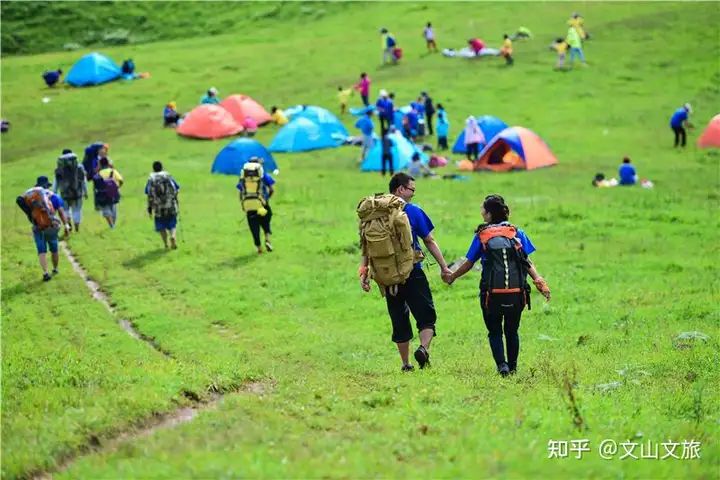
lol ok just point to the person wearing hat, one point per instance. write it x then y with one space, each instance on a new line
211 97
42 206
386 111
678 122
170 115
70 184
258 218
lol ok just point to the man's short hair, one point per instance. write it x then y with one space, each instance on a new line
157 166
398 180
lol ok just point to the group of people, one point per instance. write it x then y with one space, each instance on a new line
502 249
572 42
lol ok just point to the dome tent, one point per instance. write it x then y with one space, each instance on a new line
208 122
402 152
322 117
515 148
241 106
233 156
93 69
300 135
711 136
489 126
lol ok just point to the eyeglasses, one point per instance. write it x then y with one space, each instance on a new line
408 188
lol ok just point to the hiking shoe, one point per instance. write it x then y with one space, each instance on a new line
407 368
503 369
46 277
55 271
268 246
422 357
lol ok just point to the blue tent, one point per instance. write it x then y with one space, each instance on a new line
489 125
325 119
398 115
402 151
300 135
231 159
93 69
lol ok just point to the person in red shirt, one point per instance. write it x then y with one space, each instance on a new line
476 45
363 86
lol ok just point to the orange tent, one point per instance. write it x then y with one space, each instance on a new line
711 135
209 121
241 106
515 148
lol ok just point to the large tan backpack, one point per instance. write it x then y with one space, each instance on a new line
386 239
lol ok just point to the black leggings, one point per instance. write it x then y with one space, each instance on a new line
680 134
387 159
507 307
472 151
255 222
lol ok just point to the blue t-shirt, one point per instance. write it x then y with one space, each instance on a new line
385 108
419 108
678 117
627 174
56 201
420 224
365 125
412 120
476 251
268 182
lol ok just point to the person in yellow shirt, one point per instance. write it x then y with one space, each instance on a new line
278 116
561 47
107 185
343 97
578 23
507 50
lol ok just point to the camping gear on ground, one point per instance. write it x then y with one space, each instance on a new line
302 134
69 177
489 126
242 106
233 156
93 69
515 148
711 136
163 195
208 121
505 268
397 53
437 161
251 193
386 240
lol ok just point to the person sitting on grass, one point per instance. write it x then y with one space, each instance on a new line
417 168
170 115
627 173
211 98
278 116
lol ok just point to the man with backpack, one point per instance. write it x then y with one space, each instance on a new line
390 227
162 191
70 184
41 206
389 44
106 186
91 160
256 188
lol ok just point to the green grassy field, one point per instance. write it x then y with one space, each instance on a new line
630 268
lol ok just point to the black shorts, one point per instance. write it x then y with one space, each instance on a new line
414 297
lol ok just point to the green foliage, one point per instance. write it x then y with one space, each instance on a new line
630 269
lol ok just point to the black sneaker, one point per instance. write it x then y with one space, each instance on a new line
503 369
268 247
46 277
55 271
407 368
422 357
513 369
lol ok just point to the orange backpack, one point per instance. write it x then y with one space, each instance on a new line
42 212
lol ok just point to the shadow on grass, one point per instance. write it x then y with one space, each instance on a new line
145 258
238 261
28 288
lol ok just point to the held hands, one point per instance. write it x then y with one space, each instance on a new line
542 287
447 275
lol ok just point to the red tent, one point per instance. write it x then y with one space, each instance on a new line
209 121
711 135
241 106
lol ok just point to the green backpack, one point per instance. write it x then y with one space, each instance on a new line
69 177
163 195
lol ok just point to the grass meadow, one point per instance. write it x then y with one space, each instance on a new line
630 269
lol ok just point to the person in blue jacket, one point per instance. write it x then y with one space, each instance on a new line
678 122
627 173
52 77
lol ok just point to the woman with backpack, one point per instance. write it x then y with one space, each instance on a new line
503 251
107 183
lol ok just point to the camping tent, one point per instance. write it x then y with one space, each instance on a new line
489 126
241 106
208 121
402 152
515 148
93 69
231 159
711 136
325 119
301 134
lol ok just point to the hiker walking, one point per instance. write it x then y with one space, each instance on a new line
70 184
41 206
106 187
390 227
256 188
503 250
162 195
